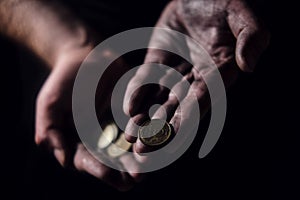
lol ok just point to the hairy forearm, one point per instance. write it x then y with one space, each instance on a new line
44 26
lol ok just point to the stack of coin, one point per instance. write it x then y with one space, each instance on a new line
119 148
110 134
155 132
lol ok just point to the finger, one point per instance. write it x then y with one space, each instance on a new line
183 119
132 166
252 37
53 141
166 40
60 149
138 162
187 114
160 40
140 148
178 92
48 135
172 77
107 84
135 93
167 110
131 130
84 161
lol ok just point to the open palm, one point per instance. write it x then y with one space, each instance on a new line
230 34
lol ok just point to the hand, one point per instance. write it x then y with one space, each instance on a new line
54 122
227 30
60 38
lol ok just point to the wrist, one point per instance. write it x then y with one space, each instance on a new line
71 46
47 28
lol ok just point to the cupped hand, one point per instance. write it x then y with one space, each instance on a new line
54 122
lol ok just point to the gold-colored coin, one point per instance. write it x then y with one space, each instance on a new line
119 148
108 135
155 132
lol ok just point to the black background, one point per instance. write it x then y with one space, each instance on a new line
256 155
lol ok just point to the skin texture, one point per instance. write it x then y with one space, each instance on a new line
62 41
227 29
55 127
45 27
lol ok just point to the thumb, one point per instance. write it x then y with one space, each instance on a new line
249 47
252 37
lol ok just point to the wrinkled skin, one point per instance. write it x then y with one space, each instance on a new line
227 30
59 38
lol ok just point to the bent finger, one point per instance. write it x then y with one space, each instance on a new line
84 161
252 36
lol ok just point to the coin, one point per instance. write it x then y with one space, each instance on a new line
154 132
119 148
108 135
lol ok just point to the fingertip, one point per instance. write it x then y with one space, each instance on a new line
37 139
130 138
243 56
130 108
40 136
245 63
78 157
251 34
126 108
251 43
140 148
127 103
133 98
60 155
133 108
132 127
